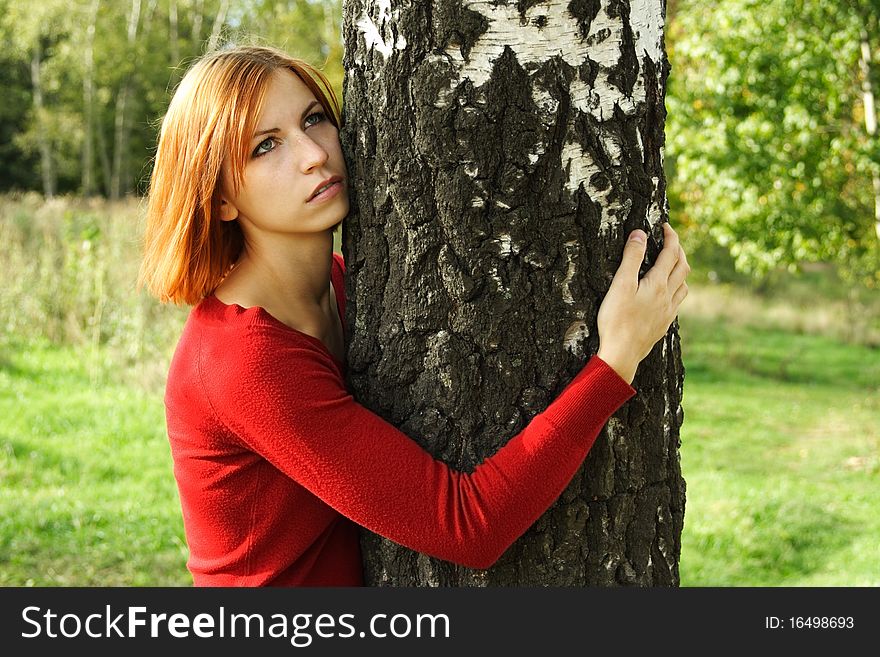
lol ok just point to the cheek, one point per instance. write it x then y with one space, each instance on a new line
256 186
264 178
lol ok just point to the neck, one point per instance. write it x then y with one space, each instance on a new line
289 276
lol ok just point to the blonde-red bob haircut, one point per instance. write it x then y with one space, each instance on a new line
187 248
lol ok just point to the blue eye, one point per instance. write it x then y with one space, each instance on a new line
321 115
265 146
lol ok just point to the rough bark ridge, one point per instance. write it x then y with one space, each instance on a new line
499 155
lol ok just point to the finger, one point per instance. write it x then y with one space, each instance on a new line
669 255
679 273
682 256
679 295
633 256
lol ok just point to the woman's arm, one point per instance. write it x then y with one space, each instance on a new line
286 400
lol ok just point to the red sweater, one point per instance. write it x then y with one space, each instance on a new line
275 461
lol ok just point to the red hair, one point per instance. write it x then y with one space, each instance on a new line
187 248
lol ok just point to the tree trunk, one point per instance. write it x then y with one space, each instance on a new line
219 19
104 156
870 115
174 36
499 154
88 155
197 25
119 176
47 165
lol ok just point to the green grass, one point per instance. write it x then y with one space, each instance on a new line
87 495
781 454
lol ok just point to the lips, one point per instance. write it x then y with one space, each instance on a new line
323 185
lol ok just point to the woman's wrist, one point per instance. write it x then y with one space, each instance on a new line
623 365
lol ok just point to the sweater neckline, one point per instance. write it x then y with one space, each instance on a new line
268 318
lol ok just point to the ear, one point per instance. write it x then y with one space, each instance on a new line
228 212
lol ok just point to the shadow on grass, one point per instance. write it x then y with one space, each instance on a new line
41 362
36 464
713 350
770 542
73 545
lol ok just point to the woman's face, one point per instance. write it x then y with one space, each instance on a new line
294 150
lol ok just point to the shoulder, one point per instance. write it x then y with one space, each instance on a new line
340 262
234 346
266 364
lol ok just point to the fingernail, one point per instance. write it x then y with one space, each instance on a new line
637 236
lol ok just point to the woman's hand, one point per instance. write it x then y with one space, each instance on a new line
635 314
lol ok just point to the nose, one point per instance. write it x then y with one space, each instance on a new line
312 154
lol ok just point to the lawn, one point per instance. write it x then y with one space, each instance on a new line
87 495
781 454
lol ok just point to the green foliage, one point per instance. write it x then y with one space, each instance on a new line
142 67
767 149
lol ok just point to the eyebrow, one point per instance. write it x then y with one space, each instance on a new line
271 130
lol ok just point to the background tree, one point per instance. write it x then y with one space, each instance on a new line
86 81
500 153
769 155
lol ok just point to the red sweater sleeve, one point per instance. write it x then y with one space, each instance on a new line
286 400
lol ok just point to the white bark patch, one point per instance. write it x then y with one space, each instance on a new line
581 167
654 209
605 38
615 430
613 148
504 243
575 334
604 47
531 45
570 250
506 246
579 164
646 19
499 285
445 379
379 35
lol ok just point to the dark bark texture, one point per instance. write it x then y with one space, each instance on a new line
499 154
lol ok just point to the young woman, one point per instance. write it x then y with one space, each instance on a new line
275 462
